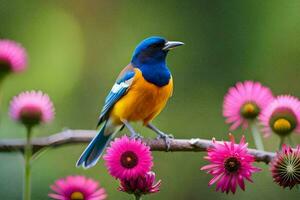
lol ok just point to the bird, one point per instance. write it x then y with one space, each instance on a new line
139 94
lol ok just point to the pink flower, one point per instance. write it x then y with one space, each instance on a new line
128 158
230 164
77 188
141 185
13 57
282 116
285 167
32 108
244 102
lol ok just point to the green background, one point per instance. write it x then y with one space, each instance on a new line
77 48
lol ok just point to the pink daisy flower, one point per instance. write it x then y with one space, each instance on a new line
31 108
13 57
244 102
128 158
282 116
77 188
230 164
141 185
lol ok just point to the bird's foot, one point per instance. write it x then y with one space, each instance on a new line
167 138
136 136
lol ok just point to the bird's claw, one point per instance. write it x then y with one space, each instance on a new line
167 138
136 136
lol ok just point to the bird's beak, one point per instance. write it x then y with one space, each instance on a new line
172 44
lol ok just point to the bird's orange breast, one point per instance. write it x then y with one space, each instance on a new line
143 101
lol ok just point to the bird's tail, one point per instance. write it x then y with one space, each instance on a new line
95 149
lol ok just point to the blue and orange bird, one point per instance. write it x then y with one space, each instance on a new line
140 92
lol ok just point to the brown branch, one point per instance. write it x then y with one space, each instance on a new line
85 136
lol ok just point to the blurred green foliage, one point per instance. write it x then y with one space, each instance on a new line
77 48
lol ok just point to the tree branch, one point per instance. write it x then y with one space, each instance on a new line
85 136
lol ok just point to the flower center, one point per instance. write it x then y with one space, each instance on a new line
283 122
250 110
290 169
129 159
4 68
286 170
77 196
232 164
282 125
31 115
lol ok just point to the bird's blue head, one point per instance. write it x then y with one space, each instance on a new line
152 51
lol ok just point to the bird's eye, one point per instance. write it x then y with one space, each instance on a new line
157 45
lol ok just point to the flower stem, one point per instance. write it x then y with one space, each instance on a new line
281 142
0 99
138 197
256 136
27 158
290 141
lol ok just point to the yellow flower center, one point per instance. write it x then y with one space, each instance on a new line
77 196
283 121
250 110
282 125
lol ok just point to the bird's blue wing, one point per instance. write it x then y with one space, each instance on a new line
118 90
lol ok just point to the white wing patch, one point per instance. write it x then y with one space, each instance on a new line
118 86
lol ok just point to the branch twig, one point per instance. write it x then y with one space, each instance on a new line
85 136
